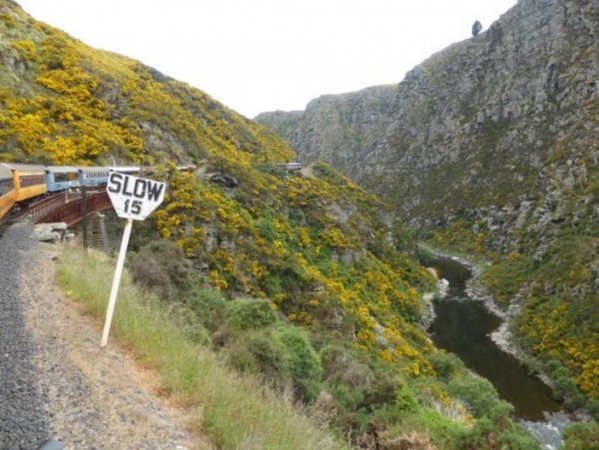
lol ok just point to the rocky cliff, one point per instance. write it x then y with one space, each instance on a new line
492 142
472 125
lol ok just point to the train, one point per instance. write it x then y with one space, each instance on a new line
22 182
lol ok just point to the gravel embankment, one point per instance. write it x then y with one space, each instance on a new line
56 382
23 422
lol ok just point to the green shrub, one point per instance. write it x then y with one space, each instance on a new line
341 366
494 434
209 306
161 266
274 284
301 361
582 436
259 352
477 392
405 399
565 387
445 364
494 427
283 355
249 314
347 399
382 390
424 421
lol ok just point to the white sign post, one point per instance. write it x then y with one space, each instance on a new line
133 198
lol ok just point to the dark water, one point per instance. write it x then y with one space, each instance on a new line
462 326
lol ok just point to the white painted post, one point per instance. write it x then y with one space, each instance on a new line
116 281
133 198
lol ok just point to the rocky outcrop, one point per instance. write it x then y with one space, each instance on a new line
475 124
335 127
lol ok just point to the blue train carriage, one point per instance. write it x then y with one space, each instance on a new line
7 190
93 176
98 176
62 178
29 181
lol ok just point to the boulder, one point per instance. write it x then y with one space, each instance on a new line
50 232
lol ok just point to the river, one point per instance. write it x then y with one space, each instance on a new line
463 325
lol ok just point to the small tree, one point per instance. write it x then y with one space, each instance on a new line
476 27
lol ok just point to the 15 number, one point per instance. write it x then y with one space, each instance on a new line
135 206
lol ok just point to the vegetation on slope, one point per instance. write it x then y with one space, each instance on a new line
237 411
315 246
312 251
194 337
63 102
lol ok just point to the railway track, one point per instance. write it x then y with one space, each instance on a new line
11 218
18 211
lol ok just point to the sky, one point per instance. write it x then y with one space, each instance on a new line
265 55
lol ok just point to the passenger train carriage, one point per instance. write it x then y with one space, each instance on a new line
61 178
20 182
93 176
29 181
7 191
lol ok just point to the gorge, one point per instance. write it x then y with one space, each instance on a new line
488 149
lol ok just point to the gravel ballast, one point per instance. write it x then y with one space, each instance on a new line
23 422
60 384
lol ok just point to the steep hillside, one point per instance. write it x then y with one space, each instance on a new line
63 102
301 277
316 244
493 141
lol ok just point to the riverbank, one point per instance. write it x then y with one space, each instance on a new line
502 336
473 327
478 292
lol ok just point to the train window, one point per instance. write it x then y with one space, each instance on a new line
6 186
31 180
64 177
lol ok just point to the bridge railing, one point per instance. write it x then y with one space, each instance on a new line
38 210
68 207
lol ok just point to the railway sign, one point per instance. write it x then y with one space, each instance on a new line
132 197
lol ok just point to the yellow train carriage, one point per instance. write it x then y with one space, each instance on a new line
29 181
7 191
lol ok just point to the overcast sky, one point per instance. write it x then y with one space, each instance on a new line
263 55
